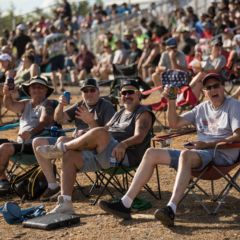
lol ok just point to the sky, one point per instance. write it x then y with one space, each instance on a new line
25 6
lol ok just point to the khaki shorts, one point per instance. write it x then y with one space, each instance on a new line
93 161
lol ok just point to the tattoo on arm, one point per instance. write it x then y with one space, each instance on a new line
144 125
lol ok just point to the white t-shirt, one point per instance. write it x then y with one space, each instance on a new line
216 124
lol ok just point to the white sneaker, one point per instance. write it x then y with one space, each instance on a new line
63 206
49 152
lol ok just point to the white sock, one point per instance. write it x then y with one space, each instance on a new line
173 206
127 201
53 185
67 198
61 146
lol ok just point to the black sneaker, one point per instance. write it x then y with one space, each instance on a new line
50 193
116 208
166 216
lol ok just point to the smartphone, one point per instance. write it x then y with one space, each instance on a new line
10 83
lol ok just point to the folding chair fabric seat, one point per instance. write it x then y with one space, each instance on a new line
212 173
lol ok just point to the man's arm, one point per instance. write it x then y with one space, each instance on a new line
235 137
142 127
9 103
174 120
59 115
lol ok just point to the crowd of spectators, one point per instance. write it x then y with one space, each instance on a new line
206 42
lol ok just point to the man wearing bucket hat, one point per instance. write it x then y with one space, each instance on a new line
125 137
92 111
216 120
36 115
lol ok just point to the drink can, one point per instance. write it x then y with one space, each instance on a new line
113 162
10 83
67 95
54 131
173 93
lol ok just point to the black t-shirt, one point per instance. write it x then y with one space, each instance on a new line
134 56
20 42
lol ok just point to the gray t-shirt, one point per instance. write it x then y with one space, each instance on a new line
166 62
216 63
31 115
216 124
103 112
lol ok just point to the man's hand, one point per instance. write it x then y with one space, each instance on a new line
119 151
25 135
63 101
197 145
83 114
6 90
78 133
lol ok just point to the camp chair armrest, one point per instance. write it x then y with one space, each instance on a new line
227 145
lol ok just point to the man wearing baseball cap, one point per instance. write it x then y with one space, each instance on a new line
170 59
125 138
36 115
92 111
216 120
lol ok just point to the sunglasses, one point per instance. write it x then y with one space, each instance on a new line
214 86
129 92
89 90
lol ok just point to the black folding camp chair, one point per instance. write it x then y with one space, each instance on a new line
119 179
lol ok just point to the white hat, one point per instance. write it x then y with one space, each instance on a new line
21 27
5 57
236 38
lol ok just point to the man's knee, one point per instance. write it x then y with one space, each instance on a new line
189 159
39 141
100 132
156 156
62 139
7 148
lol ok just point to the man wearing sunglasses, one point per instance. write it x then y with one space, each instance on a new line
92 111
125 138
216 120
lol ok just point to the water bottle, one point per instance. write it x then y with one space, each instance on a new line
67 95
54 131
113 162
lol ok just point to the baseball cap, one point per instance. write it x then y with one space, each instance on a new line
214 76
5 57
171 42
130 82
21 27
90 82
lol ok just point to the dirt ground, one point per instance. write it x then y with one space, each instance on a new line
192 222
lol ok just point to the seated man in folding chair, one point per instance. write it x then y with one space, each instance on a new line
216 120
36 115
129 127
92 111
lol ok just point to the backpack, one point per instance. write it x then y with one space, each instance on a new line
31 184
